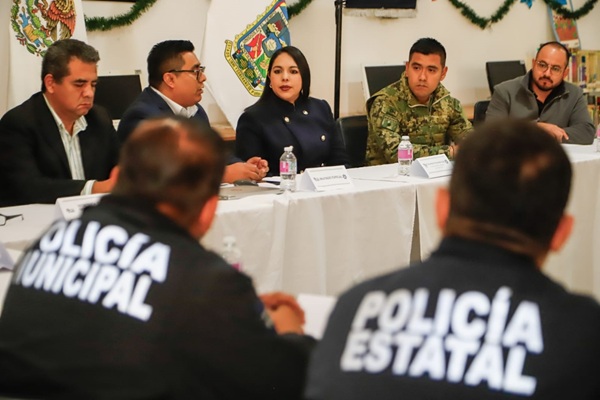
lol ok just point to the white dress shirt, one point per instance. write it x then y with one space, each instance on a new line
72 147
187 112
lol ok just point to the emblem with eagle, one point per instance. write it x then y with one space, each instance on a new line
38 23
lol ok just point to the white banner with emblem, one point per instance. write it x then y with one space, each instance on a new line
33 27
240 37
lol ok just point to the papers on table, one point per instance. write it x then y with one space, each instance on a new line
386 172
230 192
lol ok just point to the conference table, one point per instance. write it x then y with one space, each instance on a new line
302 242
325 242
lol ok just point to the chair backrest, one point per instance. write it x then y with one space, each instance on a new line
354 131
479 111
376 77
117 91
500 71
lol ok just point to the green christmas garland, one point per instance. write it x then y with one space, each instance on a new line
483 23
297 8
106 24
583 10
140 6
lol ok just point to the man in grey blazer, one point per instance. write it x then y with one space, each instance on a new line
542 95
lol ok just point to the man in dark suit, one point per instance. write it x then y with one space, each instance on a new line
176 80
57 143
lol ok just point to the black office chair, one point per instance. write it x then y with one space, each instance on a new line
500 71
354 131
117 92
376 77
479 111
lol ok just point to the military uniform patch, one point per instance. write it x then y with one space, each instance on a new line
38 23
249 53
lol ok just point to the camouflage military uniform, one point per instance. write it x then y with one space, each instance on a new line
394 111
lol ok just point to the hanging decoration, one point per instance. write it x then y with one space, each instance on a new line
528 2
583 10
298 8
106 24
483 23
141 6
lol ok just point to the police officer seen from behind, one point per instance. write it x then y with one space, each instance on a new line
477 319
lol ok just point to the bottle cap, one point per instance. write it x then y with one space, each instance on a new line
405 137
288 148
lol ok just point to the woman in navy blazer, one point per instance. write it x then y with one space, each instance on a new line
285 115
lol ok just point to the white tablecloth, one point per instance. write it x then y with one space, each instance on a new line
322 243
577 265
306 242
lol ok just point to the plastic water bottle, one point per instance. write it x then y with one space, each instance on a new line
231 252
405 156
287 169
598 138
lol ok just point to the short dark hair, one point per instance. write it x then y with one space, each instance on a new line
165 56
172 160
428 46
511 176
59 54
303 67
557 45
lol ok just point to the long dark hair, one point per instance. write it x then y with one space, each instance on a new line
303 67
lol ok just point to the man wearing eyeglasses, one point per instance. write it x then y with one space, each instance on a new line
542 95
176 80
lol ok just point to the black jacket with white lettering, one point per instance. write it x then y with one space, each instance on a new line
137 309
471 322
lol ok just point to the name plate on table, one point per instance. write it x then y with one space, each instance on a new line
6 261
70 208
326 178
431 167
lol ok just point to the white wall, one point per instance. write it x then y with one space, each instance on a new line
365 41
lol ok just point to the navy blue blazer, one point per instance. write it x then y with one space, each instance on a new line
148 104
269 125
33 163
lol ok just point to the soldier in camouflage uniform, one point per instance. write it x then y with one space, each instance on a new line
419 106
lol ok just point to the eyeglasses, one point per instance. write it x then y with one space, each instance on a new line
543 66
5 218
197 71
